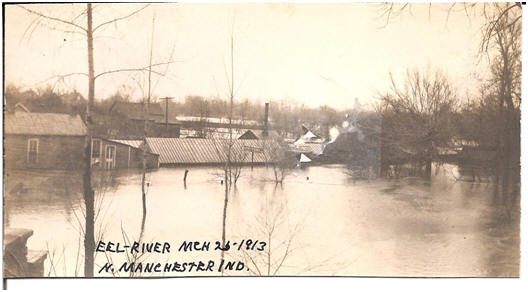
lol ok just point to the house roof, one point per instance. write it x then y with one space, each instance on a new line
132 143
304 158
44 124
134 110
308 137
205 151
20 107
258 134
248 135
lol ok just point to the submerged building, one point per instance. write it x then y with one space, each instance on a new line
199 151
43 140
56 141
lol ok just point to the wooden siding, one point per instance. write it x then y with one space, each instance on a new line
126 156
54 152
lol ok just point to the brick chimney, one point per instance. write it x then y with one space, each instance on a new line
266 115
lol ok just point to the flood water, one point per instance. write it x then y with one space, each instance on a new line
319 222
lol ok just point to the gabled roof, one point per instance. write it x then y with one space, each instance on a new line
134 110
258 134
308 137
44 124
248 135
20 107
304 129
304 158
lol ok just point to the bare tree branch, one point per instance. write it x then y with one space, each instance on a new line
140 69
62 77
120 18
52 18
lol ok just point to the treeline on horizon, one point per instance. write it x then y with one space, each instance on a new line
285 116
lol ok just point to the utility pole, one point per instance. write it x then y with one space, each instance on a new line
167 111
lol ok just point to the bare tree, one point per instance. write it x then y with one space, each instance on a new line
273 226
228 166
145 131
502 40
416 116
278 156
501 95
280 243
72 26
494 13
104 182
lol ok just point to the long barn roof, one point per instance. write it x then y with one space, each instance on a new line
206 151
49 124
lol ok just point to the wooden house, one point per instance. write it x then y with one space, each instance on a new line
110 154
43 140
56 141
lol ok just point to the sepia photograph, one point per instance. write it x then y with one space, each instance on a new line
164 140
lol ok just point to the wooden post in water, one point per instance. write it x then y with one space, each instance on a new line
185 179
185 175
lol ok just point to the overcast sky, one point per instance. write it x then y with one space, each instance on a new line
315 54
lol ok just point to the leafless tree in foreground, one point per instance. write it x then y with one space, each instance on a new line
273 226
227 147
104 182
74 27
282 253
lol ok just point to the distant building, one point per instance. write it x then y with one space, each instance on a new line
214 128
309 143
158 123
210 122
134 111
43 140
258 135
248 135
219 128
308 137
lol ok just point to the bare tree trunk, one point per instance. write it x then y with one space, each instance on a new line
145 132
88 192
429 162
89 242
228 166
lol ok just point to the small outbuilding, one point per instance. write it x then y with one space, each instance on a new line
110 154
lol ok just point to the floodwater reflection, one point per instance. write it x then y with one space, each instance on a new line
327 225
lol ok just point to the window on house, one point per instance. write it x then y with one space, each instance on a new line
96 148
32 151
